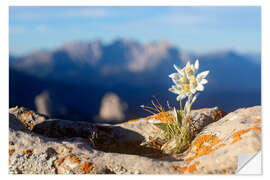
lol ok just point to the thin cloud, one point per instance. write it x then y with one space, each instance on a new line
30 13
42 28
86 12
184 19
193 28
173 19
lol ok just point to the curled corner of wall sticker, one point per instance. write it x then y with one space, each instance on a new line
250 164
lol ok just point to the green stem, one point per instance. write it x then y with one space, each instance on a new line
181 109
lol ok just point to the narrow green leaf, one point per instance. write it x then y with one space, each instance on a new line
162 126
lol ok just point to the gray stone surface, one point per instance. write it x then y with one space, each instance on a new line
35 147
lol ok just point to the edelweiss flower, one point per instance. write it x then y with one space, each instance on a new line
185 81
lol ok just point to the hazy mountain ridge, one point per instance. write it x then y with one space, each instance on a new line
82 72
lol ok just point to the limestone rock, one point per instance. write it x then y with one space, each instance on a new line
54 146
27 117
217 147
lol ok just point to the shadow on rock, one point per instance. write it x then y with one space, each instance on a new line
113 139
15 124
125 141
104 138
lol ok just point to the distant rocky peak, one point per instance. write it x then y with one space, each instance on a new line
32 63
151 55
124 43
84 52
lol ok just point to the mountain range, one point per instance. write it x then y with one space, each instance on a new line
77 75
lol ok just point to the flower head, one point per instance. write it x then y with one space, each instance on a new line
186 82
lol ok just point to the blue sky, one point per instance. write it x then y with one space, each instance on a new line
198 29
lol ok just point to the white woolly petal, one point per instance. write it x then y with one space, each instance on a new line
187 65
182 73
192 67
175 90
202 75
197 65
180 97
193 91
192 73
174 75
177 82
172 90
200 87
179 70
174 81
204 81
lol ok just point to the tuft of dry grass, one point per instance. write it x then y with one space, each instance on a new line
177 127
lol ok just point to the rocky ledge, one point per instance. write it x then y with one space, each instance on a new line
40 145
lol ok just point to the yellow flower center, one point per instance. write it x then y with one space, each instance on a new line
183 79
186 87
187 69
192 80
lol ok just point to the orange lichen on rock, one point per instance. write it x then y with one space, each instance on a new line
69 155
185 169
27 113
165 117
237 135
86 167
75 159
173 168
162 116
218 115
192 167
29 126
24 122
28 152
11 151
259 121
204 144
130 121
59 161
